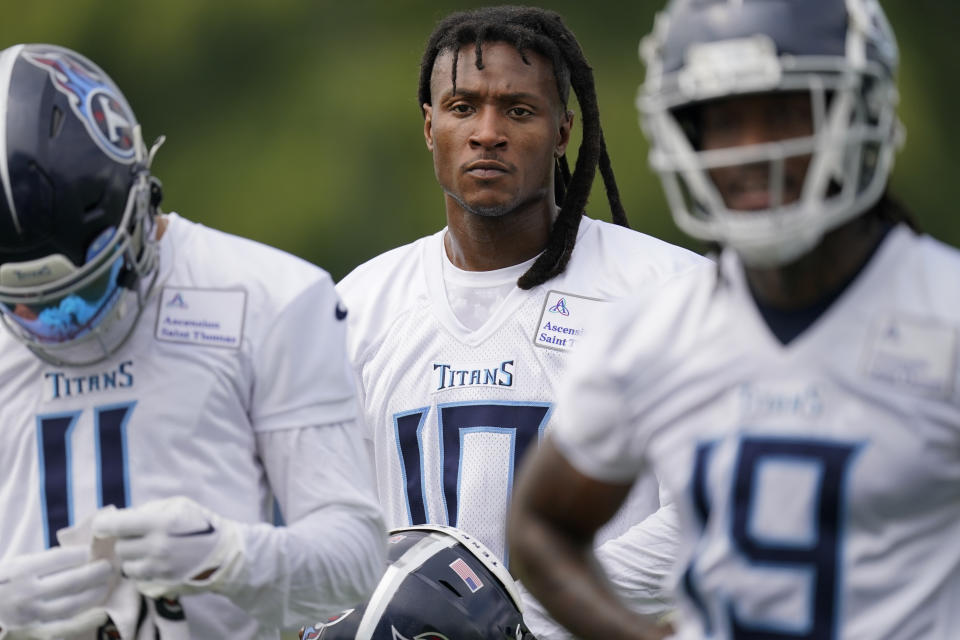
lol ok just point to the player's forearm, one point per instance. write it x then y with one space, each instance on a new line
566 578
325 562
637 565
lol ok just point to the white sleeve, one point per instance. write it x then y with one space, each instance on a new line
301 372
596 427
332 551
639 563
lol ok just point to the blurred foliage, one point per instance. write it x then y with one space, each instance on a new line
296 123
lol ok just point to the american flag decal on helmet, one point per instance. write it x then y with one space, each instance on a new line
466 574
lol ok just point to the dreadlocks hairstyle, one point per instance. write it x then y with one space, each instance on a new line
542 31
892 211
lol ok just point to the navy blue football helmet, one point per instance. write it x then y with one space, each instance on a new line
842 52
441 584
77 238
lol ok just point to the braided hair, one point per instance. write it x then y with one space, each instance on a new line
542 31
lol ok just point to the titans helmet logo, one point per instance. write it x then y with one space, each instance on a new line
93 98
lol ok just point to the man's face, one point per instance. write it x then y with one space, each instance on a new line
494 142
757 119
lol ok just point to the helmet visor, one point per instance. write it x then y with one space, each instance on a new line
70 314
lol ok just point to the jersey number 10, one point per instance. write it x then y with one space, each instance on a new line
522 422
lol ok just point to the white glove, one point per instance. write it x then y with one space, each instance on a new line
171 546
53 593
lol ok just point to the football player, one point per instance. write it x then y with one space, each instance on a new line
801 401
459 338
160 384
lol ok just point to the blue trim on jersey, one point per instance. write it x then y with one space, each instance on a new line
423 466
543 423
809 541
817 560
278 520
817 557
443 467
733 617
42 456
68 449
845 479
397 418
700 499
98 436
477 419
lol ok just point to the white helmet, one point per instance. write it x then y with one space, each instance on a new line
842 52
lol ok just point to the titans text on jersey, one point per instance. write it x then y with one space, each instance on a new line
62 384
450 376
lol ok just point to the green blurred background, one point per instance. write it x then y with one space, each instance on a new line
296 123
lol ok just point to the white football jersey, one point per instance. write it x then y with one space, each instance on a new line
238 342
818 483
451 411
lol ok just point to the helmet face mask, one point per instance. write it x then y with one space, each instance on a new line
693 58
78 255
84 314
